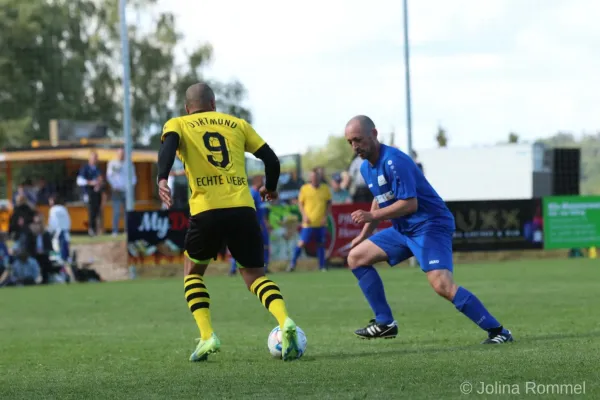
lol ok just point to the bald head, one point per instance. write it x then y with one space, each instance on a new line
363 122
362 136
199 97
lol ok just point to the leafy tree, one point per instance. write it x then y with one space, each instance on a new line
62 59
441 137
513 138
335 156
42 65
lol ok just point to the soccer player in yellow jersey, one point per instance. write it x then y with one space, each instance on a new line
314 202
211 146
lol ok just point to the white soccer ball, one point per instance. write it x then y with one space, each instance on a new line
274 342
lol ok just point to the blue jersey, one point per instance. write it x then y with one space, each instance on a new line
260 207
394 177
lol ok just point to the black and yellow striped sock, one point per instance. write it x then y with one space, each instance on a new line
269 295
198 301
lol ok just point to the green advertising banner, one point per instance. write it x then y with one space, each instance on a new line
571 222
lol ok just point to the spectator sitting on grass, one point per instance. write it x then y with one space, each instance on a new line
37 242
23 271
4 255
21 217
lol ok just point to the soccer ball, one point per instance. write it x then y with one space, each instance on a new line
274 342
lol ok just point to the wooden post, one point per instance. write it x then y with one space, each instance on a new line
53 129
9 190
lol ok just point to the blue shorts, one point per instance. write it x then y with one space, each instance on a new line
432 249
316 234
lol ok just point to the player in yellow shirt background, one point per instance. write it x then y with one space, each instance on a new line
212 147
314 202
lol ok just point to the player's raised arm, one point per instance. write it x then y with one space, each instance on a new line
166 158
272 167
261 150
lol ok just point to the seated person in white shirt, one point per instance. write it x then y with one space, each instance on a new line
59 225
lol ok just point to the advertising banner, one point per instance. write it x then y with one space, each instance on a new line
497 225
157 237
345 230
571 222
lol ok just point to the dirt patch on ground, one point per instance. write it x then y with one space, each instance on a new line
109 258
110 261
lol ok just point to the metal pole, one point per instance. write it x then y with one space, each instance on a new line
407 80
412 260
126 104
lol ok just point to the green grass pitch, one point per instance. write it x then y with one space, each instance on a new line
131 340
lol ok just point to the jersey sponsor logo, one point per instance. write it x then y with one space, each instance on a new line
152 222
382 198
381 180
217 180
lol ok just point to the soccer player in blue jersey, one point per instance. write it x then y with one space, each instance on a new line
422 226
261 213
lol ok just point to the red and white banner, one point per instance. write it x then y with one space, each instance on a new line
344 230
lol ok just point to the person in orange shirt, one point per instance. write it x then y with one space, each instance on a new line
314 202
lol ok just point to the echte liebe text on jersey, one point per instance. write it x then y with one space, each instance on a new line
215 180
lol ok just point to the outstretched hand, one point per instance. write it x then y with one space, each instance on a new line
267 195
362 217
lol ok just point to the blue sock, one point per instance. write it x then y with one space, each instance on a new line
297 252
321 255
372 287
266 257
233 266
468 304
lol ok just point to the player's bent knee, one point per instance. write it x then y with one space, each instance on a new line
194 266
366 253
356 258
442 283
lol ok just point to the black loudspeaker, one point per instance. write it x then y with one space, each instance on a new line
565 171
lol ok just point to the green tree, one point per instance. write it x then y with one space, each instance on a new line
335 156
62 59
43 65
513 138
441 137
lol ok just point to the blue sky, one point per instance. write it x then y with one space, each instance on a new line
479 68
